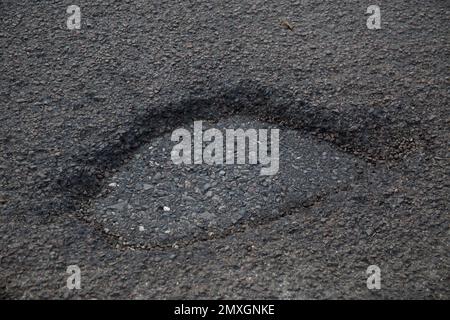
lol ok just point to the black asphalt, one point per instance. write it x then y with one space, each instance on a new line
364 114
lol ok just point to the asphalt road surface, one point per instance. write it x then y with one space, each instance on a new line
86 178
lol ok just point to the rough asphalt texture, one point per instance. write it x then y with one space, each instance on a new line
79 108
208 201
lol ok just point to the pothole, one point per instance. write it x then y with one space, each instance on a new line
129 189
153 202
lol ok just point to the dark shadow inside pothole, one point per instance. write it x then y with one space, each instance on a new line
372 136
152 201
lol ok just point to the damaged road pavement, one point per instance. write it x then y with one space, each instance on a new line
87 176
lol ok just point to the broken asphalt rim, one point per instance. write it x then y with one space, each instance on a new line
369 135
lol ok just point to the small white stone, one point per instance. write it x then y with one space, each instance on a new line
166 209
141 228
113 185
